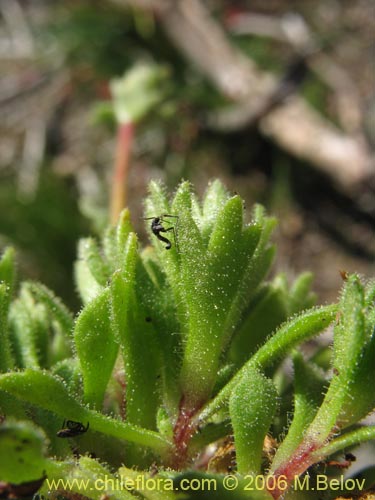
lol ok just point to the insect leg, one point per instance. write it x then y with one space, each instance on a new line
162 238
174 237
173 228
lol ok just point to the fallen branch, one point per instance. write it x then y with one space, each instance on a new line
294 125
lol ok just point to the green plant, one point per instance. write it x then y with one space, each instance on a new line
172 351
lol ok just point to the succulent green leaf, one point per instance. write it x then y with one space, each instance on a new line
129 257
346 441
188 321
6 360
88 251
87 285
168 260
224 375
69 371
123 229
41 331
32 326
300 295
156 205
24 331
133 478
22 452
160 310
164 424
196 212
225 266
7 269
42 389
210 280
323 357
309 383
55 306
259 262
358 403
191 249
139 345
288 336
267 223
353 367
268 312
59 347
214 199
256 271
370 293
96 347
293 332
7 279
96 474
252 406
110 247
217 283
157 202
140 354
349 330
122 290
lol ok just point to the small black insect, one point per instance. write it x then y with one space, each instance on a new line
350 457
72 429
157 228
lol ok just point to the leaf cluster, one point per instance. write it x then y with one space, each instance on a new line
176 349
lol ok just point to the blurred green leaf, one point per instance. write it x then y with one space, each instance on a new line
22 452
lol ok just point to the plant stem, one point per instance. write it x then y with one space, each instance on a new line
183 431
300 461
125 134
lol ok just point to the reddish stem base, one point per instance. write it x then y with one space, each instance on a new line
294 467
183 431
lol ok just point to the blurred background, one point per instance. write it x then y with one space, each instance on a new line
276 98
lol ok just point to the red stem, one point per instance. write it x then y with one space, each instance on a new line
298 463
125 134
183 431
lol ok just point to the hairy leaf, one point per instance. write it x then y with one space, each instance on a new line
252 405
96 347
